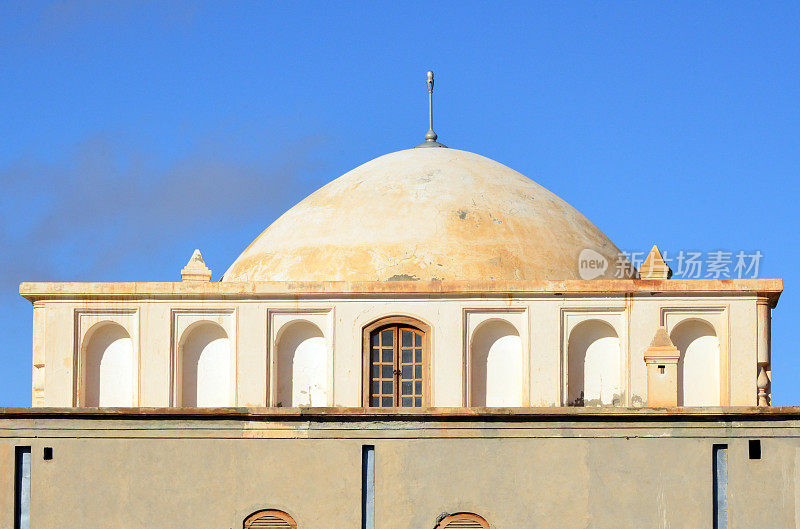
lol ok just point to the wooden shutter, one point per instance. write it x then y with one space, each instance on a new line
463 521
410 364
269 519
396 363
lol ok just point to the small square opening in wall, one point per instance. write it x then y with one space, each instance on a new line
754 448
48 453
661 369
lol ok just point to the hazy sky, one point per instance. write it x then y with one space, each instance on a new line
133 133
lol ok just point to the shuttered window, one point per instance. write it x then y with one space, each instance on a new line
269 519
463 521
396 363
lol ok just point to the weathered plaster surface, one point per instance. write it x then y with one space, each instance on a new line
253 314
543 468
771 288
424 214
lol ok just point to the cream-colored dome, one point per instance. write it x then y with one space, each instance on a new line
425 214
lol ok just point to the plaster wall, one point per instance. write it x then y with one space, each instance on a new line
561 469
544 324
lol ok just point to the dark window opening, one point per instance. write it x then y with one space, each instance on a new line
754 448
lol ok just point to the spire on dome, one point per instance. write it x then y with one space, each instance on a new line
430 136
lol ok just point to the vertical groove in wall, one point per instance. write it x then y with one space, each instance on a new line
720 471
22 488
367 487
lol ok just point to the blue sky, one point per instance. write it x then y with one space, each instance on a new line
134 132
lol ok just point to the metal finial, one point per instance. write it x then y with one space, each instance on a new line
430 136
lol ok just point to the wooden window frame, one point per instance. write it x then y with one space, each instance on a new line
270 512
426 356
462 517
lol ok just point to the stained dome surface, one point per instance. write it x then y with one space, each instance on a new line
425 214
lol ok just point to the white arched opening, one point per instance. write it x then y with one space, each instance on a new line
593 365
302 366
205 368
496 366
699 363
108 366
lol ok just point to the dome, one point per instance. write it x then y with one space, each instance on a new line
425 214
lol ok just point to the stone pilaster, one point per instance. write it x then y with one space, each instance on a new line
763 351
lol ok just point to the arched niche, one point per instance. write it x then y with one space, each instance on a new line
699 363
496 365
302 365
108 366
205 366
593 369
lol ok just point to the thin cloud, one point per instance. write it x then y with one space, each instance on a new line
107 202
63 15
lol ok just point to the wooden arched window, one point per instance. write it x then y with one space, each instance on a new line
463 521
269 519
396 363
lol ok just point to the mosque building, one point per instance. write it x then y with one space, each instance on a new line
415 345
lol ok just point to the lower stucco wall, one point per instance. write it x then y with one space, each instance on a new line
562 470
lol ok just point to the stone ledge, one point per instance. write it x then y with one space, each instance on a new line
770 288
402 414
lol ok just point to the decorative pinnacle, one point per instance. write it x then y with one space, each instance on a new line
196 269
430 136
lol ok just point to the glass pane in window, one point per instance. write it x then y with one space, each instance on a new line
387 338
375 371
375 340
387 355
418 387
386 371
417 401
386 387
418 356
407 372
374 401
407 388
417 371
418 340
386 401
407 356
407 402
375 354
408 338
376 388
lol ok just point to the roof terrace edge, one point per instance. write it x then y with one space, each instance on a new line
33 291
388 414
